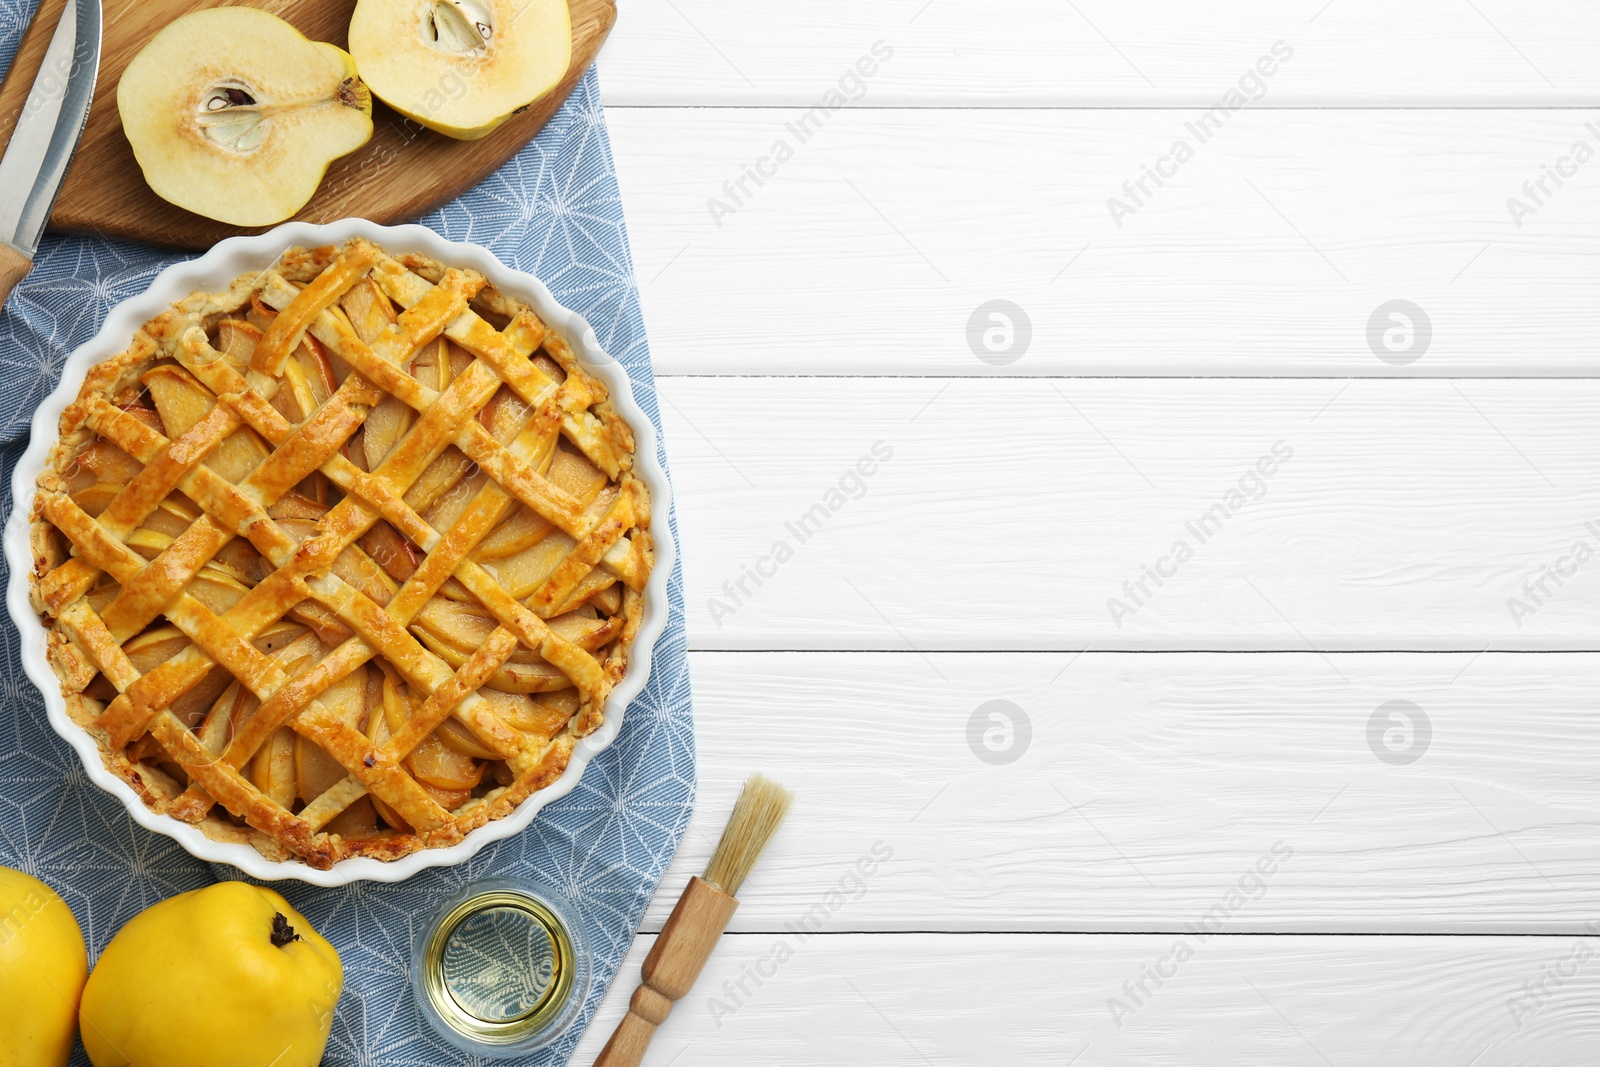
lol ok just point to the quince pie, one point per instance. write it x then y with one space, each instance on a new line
344 560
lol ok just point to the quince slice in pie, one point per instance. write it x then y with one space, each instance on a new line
344 560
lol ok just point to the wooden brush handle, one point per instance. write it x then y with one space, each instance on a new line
14 266
681 950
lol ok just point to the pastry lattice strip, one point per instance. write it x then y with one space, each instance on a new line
448 417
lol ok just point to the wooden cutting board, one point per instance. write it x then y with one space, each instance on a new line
404 171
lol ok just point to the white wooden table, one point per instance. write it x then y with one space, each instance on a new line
1203 830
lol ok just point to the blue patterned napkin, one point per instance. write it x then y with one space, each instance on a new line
554 212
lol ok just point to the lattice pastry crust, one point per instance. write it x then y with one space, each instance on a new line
341 561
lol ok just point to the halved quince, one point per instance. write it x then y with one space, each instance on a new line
461 67
232 114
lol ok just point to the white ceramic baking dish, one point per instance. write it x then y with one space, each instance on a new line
212 272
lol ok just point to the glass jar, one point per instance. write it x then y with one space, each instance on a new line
502 968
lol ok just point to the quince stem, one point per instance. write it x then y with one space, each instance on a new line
282 932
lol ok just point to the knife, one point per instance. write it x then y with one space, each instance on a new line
45 137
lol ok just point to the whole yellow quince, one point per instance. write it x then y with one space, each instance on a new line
225 976
43 964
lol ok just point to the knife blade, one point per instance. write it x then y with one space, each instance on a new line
45 137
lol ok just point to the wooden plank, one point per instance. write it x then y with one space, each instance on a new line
914 1000
1137 792
875 248
1021 513
1161 53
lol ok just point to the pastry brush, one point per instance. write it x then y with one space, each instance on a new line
702 913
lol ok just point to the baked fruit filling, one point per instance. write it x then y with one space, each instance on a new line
344 560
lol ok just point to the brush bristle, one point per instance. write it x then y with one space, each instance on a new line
762 805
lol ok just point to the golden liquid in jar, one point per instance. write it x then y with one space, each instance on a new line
499 967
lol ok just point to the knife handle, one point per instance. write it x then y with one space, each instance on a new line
14 266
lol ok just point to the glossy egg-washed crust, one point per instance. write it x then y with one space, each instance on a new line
481 447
